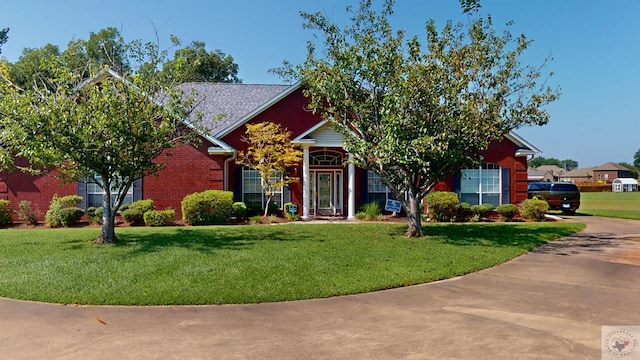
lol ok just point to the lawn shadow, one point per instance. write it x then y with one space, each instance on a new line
495 235
205 239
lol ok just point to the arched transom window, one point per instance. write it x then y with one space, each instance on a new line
325 158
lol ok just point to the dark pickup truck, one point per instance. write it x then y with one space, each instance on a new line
563 196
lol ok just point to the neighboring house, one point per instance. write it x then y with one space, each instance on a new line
539 175
610 171
556 171
327 184
578 175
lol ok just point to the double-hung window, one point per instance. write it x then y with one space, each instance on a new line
378 191
95 193
481 185
253 193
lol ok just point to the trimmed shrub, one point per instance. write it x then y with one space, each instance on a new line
54 216
273 208
123 207
207 207
159 217
482 211
133 216
142 205
533 209
95 217
464 212
442 205
239 209
5 213
26 214
507 212
70 215
370 212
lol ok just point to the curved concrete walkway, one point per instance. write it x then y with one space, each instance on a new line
548 304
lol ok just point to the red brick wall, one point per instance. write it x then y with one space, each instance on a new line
17 186
188 170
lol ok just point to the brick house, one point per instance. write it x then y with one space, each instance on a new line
327 186
609 171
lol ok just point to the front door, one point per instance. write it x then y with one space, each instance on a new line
326 187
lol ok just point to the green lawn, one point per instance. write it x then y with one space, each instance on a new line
620 205
250 264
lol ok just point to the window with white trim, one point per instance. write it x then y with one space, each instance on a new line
378 191
95 193
481 185
253 193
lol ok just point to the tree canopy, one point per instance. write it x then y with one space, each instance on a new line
413 112
566 164
109 127
195 63
636 159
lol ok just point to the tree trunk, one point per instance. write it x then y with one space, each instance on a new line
266 206
108 234
413 216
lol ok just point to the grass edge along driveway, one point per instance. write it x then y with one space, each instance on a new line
251 264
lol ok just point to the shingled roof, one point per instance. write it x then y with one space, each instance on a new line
225 105
610 166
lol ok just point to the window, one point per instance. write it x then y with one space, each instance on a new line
253 193
95 193
377 189
325 158
481 185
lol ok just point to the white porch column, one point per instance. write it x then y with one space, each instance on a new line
305 183
351 206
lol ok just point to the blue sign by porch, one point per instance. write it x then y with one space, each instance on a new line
293 208
393 205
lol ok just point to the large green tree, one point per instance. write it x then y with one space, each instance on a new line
413 112
636 159
195 63
108 127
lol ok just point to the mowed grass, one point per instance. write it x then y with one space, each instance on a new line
624 205
250 264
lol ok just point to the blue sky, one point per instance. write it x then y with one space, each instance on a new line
594 45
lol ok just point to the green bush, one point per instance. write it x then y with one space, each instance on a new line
442 205
482 211
273 208
207 207
507 212
54 217
70 215
370 212
239 209
26 214
95 216
123 207
142 205
5 213
464 212
533 209
159 217
133 216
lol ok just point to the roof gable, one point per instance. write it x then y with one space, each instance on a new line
226 106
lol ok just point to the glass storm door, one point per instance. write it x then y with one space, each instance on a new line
325 193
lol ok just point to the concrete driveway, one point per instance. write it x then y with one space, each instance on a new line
548 304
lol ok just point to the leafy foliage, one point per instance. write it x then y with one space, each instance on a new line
160 217
636 159
109 125
133 216
3 37
507 212
482 211
26 214
195 63
370 212
207 207
239 209
270 153
442 205
5 213
63 211
566 164
413 114
533 209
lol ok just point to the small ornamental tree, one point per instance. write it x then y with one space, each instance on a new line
270 153
417 111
